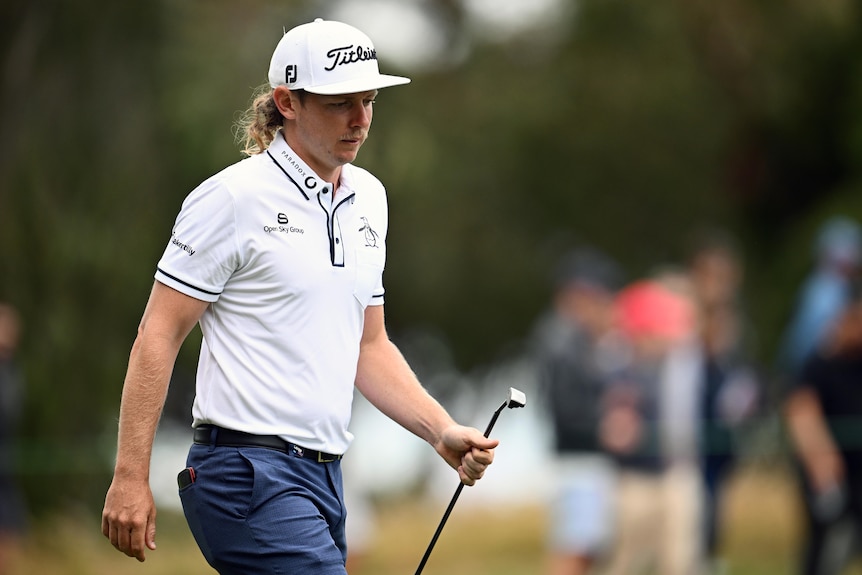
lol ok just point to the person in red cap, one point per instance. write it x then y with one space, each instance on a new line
649 427
279 258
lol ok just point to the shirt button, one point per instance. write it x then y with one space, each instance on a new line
337 241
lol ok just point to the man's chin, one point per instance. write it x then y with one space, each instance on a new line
347 157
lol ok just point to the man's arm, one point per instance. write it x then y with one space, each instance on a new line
128 518
386 380
810 436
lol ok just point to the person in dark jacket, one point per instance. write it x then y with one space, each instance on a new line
576 353
823 413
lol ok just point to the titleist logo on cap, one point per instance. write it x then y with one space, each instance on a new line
349 55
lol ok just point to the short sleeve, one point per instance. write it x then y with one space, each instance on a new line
203 252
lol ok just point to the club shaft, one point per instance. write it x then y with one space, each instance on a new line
453 500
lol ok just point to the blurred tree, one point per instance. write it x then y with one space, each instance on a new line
79 160
790 75
612 137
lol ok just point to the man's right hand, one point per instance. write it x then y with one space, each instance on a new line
129 517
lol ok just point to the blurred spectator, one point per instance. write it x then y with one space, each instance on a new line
822 297
576 353
12 511
729 384
824 418
649 424
838 254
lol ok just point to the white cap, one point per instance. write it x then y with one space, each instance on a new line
327 57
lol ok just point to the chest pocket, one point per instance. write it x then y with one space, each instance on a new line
369 273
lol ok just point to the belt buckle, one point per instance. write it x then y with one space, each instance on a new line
322 459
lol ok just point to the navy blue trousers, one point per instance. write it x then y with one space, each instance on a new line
257 511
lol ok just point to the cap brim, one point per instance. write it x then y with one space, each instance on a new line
358 85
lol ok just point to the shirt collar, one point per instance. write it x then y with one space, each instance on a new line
295 168
345 182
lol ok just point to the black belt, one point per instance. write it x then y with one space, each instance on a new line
213 435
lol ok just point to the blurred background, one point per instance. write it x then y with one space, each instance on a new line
530 129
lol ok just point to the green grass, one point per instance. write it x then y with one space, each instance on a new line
761 538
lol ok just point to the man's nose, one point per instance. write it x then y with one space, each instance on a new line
361 116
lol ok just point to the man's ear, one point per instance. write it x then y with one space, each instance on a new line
285 101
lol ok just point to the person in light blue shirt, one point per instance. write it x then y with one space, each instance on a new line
824 293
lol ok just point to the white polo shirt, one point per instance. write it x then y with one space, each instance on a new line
288 273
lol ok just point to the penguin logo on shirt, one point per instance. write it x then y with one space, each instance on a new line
370 235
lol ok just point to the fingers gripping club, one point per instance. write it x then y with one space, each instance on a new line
515 398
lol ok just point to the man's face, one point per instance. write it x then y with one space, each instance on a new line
329 130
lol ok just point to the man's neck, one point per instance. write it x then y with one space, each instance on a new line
332 176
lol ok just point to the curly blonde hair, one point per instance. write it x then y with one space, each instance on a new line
256 127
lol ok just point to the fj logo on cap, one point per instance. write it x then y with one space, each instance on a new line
290 73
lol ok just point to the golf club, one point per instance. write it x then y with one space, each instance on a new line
515 398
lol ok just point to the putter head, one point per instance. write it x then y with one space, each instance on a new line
516 398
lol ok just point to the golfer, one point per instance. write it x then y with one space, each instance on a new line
279 258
